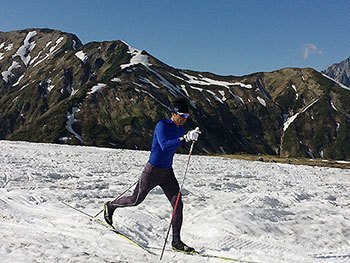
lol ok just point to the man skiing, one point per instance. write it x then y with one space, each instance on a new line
168 135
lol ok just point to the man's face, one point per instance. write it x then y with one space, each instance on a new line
178 119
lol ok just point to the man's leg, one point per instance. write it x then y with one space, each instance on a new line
146 183
171 189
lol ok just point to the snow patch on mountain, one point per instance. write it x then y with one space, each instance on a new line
82 56
54 49
9 47
116 80
296 91
333 106
8 73
18 81
215 96
196 88
24 51
222 93
340 84
203 81
291 119
96 88
173 89
183 87
69 89
261 101
147 81
50 52
70 121
136 58
153 97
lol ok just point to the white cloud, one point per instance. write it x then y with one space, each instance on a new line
311 49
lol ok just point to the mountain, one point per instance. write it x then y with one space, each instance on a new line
55 89
340 72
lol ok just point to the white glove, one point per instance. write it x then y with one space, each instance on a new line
192 135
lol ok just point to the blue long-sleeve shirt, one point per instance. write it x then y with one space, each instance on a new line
166 139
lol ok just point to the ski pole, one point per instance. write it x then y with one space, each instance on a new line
118 197
177 201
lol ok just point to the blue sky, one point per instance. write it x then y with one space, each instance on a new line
221 36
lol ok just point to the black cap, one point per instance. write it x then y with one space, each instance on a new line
180 105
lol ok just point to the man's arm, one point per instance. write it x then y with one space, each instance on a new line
165 144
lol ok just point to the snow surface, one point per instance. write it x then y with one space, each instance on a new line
254 211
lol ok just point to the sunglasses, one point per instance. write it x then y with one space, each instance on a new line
183 115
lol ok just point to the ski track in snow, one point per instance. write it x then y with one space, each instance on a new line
254 211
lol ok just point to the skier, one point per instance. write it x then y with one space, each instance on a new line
168 136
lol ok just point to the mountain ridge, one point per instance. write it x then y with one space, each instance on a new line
55 89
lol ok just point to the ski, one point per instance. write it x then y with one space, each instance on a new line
112 228
202 254
146 248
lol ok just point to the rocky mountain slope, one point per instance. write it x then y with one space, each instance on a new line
340 72
55 89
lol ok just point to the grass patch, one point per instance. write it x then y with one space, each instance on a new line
295 161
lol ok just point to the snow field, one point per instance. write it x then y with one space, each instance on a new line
252 211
